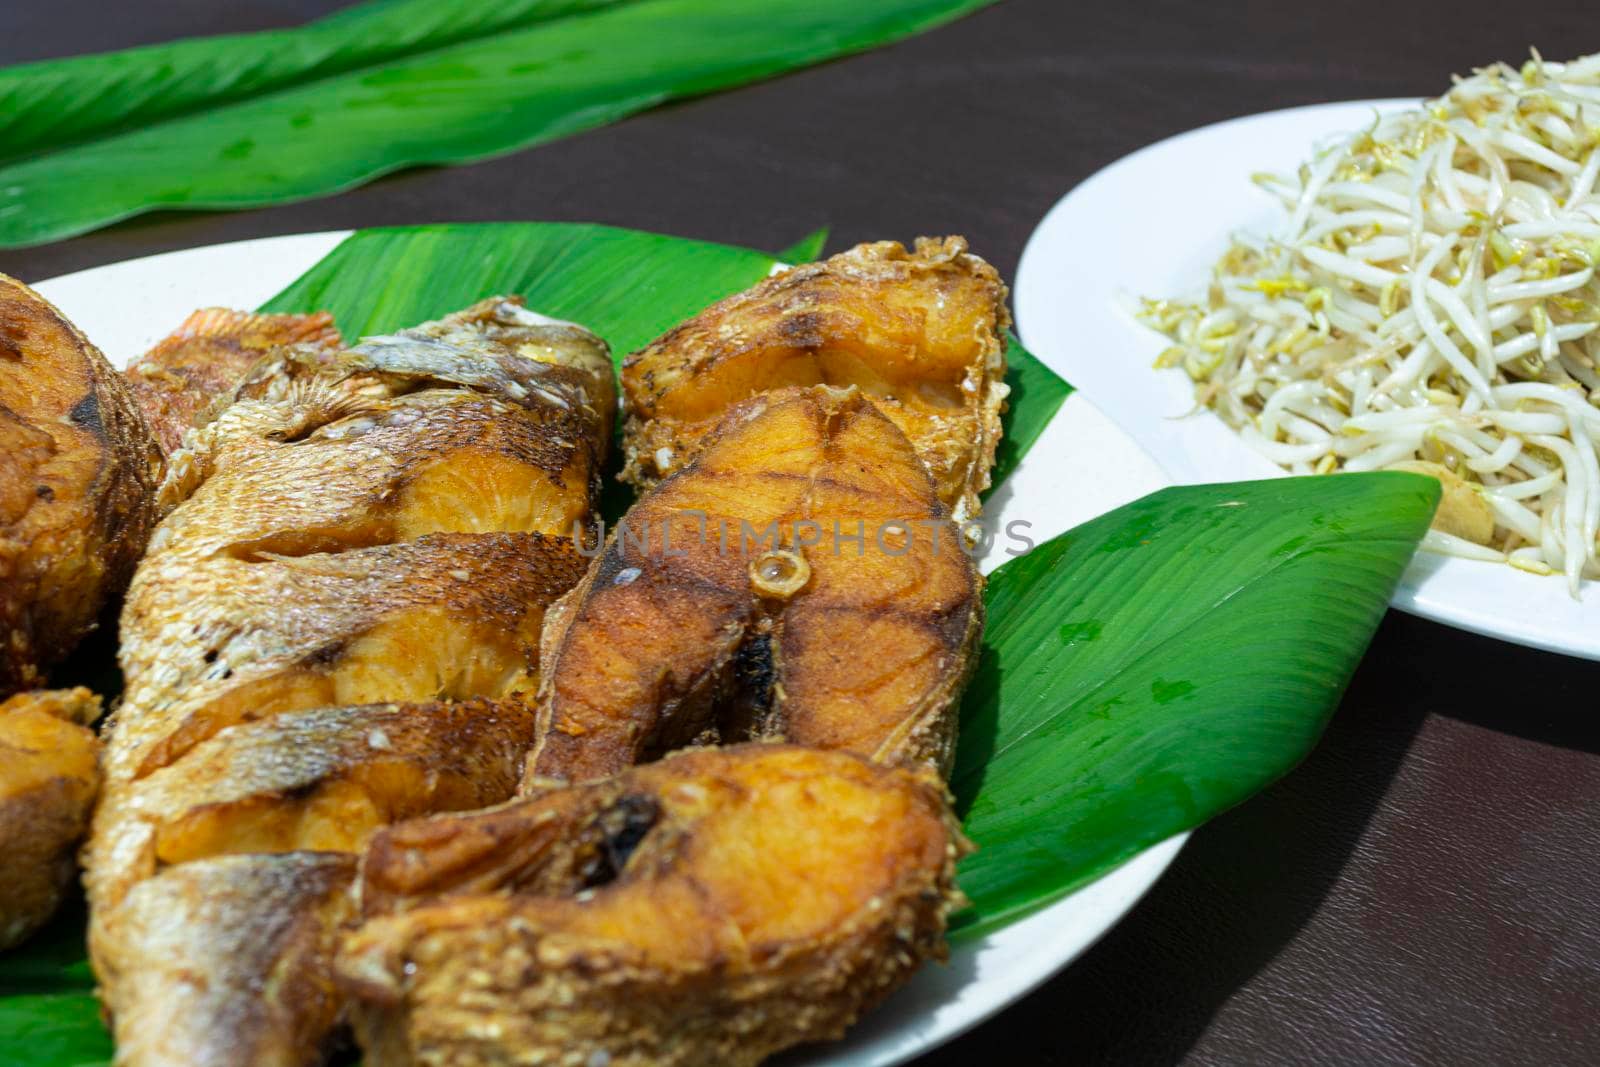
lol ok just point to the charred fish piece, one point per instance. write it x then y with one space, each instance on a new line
798 580
704 911
78 473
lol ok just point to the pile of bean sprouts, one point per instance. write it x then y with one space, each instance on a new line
1432 298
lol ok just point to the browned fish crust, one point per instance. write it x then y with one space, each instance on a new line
207 355
49 774
321 780
921 333
704 911
236 862
674 636
447 615
78 472
226 961
331 631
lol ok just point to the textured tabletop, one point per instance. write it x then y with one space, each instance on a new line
1424 888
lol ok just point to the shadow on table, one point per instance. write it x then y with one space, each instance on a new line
1244 885
1538 696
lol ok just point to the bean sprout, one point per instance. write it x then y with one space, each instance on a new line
1432 299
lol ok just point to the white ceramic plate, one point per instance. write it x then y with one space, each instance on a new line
1082 466
1152 224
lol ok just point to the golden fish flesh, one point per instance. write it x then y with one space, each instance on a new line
799 579
920 333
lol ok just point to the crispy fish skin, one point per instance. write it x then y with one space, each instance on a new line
498 344
78 473
331 630
418 526
207 355
673 637
448 615
226 961
922 333
49 775
704 911
317 780
232 869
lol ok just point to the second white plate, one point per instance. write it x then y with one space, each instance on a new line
1152 224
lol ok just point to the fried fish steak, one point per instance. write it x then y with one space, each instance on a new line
332 629
229 961
78 474
704 911
232 868
318 780
206 356
411 504
798 580
49 774
921 333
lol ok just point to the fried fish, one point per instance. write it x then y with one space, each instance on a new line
795 576
228 870
49 774
78 473
206 356
332 630
704 911
921 333
799 579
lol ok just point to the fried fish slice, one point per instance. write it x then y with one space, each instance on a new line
207 643
227 872
704 911
799 579
316 780
383 527
227 961
414 502
49 774
78 472
207 355
921 333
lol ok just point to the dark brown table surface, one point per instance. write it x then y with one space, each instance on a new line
1424 888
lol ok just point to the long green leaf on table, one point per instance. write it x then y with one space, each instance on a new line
627 285
59 102
243 121
1159 664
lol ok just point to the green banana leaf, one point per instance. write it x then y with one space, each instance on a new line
807 249
59 102
53 1030
1141 673
247 120
1158 665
